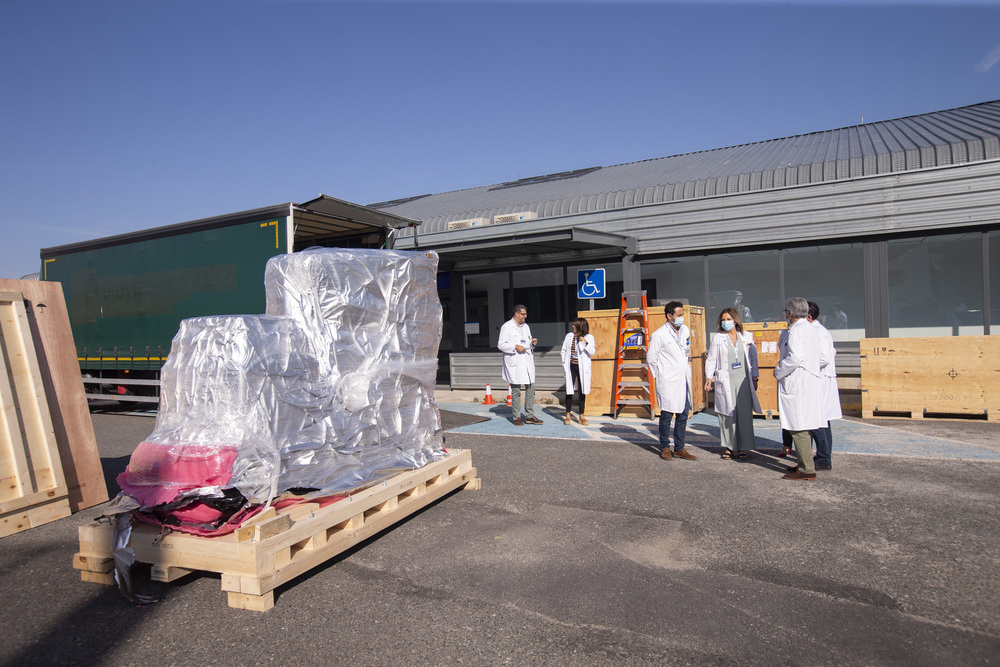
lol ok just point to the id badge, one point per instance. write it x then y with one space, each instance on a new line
736 365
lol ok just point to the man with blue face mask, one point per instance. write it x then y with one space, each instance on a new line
668 358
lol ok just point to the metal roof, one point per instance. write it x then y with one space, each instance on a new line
955 136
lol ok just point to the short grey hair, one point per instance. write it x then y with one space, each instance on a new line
518 308
797 307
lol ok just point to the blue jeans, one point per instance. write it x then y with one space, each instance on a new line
823 437
680 428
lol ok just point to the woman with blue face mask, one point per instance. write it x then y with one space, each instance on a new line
731 367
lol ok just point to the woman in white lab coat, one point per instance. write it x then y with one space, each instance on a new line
577 350
731 367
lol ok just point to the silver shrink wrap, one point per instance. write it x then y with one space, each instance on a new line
330 390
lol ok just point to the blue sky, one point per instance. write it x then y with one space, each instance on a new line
124 115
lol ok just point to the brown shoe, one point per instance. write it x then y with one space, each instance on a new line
583 421
518 422
567 420
533 420
685 454
792 468
665 454
800 476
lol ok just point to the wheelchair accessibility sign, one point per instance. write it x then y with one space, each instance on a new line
590 284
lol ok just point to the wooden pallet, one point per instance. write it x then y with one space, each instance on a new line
921 413
274 548
33 489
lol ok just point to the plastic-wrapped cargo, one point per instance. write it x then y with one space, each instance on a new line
330 390
373 319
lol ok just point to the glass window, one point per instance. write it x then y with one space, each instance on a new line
832 276
994 241
681 278
542 293
936 286
747 281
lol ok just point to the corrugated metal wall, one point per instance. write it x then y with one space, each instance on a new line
941 139
473 370
936 199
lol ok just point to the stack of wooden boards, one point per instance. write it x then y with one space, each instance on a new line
49 463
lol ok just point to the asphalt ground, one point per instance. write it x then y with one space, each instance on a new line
583 547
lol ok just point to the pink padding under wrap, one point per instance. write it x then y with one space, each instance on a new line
157 474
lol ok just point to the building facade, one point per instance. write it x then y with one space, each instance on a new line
893 228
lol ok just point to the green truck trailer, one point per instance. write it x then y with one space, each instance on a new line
127 294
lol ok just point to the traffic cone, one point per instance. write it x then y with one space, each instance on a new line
488 400
509 401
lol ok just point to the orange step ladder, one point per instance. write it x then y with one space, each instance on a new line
632 373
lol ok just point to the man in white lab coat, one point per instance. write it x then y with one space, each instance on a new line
668 359
800 390
823 436
517 346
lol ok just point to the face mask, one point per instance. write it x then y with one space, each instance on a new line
679 321
728 325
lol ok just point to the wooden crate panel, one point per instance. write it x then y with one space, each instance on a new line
275 547
33 489
767 393
603 325
945 375
48 318
765 338
601 378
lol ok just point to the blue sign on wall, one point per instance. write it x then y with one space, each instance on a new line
590 284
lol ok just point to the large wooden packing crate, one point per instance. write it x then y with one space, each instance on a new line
765 339
34 489
55 351
604 326
951 375
274 547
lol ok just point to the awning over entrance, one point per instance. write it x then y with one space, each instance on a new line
564 246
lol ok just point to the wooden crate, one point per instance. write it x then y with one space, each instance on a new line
604 326
765 339
601 378
273 548
34 490
56 353
950 375
767 394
